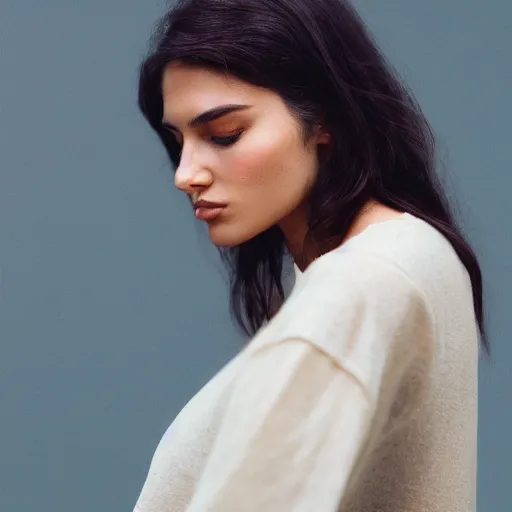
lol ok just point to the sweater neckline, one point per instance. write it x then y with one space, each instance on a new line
374 225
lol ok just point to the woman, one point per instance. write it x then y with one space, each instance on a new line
292 136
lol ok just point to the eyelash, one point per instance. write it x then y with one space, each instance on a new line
223 141
226 141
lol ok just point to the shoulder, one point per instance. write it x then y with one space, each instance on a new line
355 303
365 290
392 258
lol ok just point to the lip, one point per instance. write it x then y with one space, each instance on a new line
207 204
206 210
208 213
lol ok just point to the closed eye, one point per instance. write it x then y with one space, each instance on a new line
226 141
220 141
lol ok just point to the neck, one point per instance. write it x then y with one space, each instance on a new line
295 226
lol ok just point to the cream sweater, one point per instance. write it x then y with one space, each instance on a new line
360 395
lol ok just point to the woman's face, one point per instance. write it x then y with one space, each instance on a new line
252 159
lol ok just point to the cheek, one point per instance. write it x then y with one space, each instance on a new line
262 162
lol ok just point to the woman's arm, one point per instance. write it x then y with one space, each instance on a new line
294 429
313 395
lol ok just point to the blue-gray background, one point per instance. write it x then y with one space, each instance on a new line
113 305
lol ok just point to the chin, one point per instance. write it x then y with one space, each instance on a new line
223 235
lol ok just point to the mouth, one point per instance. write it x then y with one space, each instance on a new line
208 212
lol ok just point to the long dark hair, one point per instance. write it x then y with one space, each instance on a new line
320 58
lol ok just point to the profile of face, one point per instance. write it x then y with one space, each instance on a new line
249 156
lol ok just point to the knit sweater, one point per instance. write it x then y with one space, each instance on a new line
360 395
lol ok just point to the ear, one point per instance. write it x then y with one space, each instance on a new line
323 135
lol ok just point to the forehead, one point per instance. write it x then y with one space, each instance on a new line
188 90
180 74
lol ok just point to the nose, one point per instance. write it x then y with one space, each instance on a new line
191 174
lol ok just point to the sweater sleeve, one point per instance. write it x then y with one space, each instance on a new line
312 396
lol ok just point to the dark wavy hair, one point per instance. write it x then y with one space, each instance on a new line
319 56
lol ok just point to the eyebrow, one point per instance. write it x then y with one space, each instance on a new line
210 115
